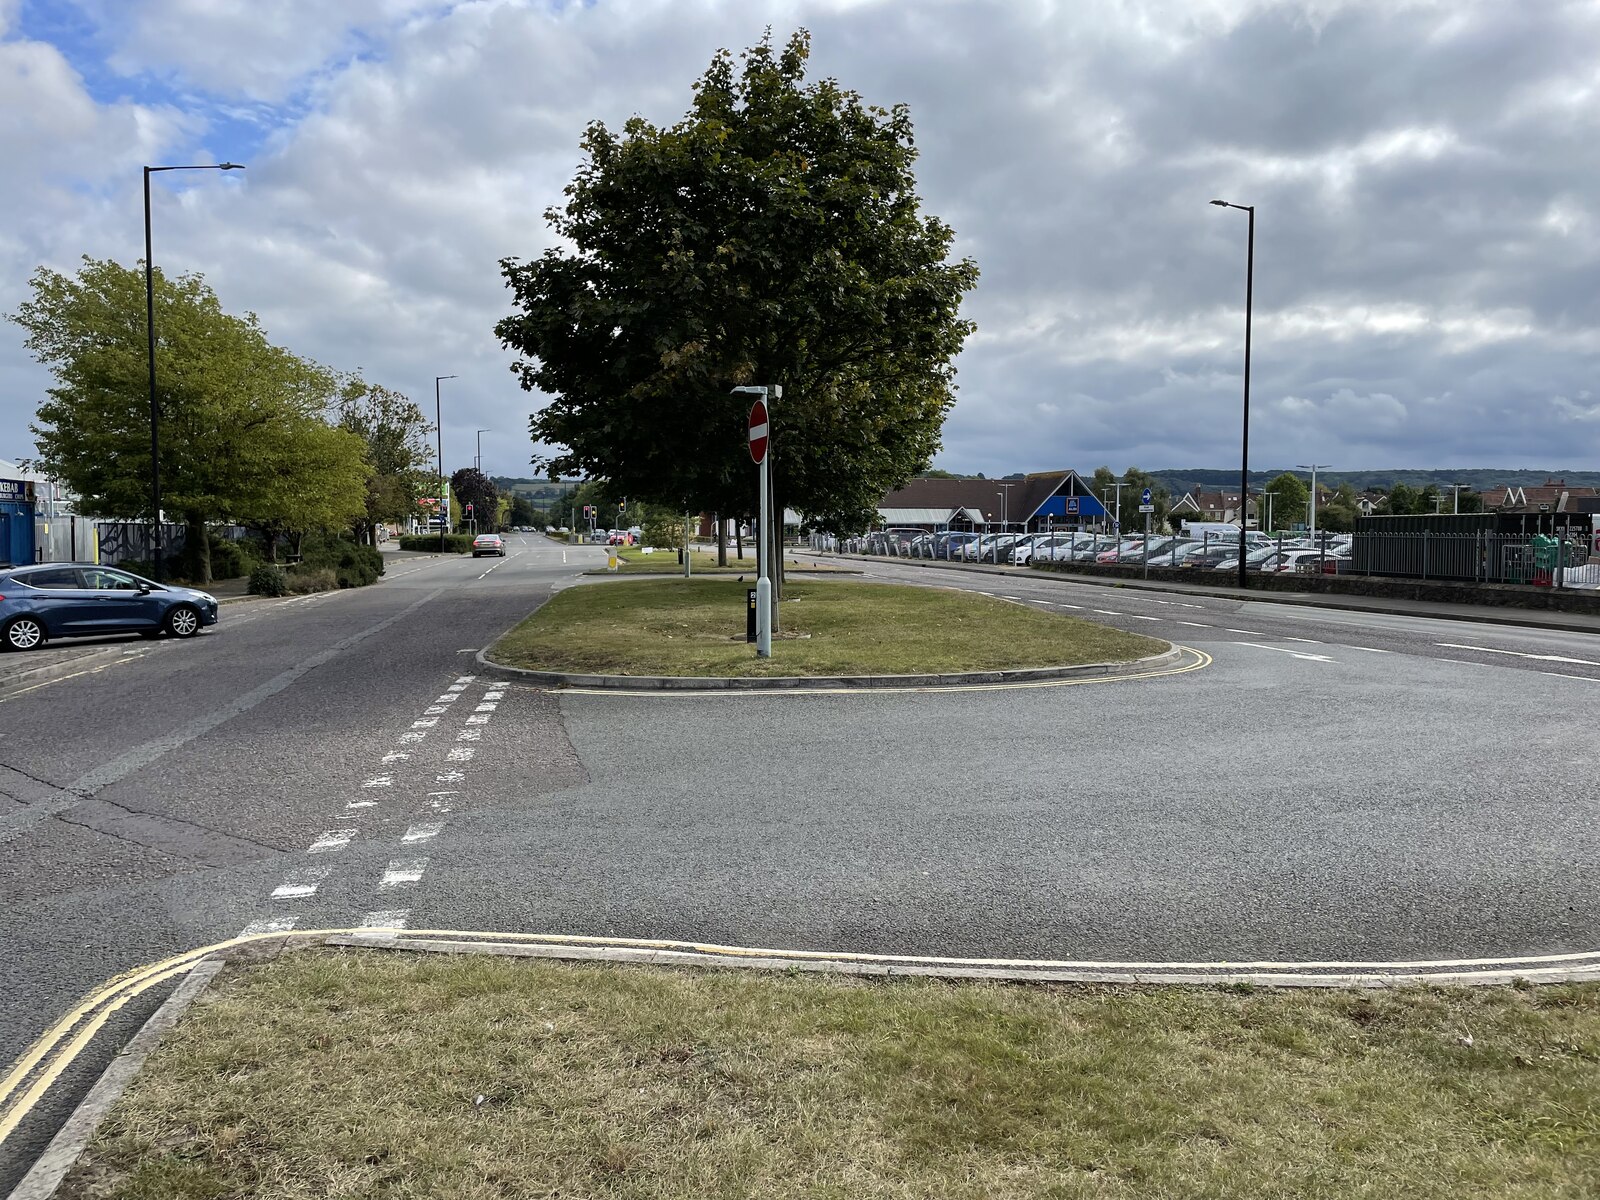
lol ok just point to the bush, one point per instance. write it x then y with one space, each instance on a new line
302 580
352 563
230 559
268 580
454 543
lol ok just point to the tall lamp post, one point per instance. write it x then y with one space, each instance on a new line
1244 451
1313 468
444 495
150 331
477 462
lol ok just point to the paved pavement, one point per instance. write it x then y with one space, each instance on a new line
1336 785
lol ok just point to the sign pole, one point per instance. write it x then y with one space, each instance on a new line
764 569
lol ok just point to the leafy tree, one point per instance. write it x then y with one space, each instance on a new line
773 236
1468 501
1339 513
1403 499
1290 497
477 489
242 438
394 433
523 512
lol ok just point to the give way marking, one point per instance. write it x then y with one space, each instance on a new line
1586 662
1292 653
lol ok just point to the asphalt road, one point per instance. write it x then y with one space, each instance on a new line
1334 786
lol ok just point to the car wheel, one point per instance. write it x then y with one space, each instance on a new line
24 633
183 620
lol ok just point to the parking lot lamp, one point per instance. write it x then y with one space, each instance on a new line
438 430
150 333
1311 521
477 461
1244 452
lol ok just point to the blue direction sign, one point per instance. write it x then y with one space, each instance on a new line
1144 496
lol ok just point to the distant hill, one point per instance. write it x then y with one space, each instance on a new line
1476 478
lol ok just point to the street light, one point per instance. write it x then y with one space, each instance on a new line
150 332
1244 452
477 462
443 508
1313 468
1005 512
1268 527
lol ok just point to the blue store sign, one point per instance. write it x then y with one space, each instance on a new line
18 491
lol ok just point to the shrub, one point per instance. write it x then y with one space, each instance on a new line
301 580
454 543
268 580
230 559
353 564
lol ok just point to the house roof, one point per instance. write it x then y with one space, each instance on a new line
1553 493
980 498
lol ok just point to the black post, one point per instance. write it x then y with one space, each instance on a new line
155 415
438 431
1244 451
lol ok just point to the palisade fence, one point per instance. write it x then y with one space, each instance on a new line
1557 559
132 541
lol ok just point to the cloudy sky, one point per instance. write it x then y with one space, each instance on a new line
1426 177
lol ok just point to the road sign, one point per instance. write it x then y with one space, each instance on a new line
1147 507
758 431
1144 498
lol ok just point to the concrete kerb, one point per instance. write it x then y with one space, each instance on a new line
1487 616
1171 657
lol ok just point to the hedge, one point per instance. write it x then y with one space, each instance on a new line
454 543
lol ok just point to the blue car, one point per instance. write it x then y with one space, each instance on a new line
53 600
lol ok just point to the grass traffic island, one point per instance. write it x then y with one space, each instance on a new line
373 1074
696 627
632 560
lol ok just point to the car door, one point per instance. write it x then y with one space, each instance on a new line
57 597
118 601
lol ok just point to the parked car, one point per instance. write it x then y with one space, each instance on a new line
52 600
1252 561
488 543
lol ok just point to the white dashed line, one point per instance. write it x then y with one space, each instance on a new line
449 777
1108 612
1560 658
422 831
331 840
379 781
300 883
1247 632
424 722
386 918
989 594
1196 624
1078 607
402 872
463 680
448 698
270 925
412 738
396 756
1137 617
1371 650
474 719
434 709
360 803
1291 653
1308 641
460 754
489 707
1559 675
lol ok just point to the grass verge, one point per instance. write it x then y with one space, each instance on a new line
633 561
369 1074
676 626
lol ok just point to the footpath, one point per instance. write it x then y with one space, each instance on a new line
1561 622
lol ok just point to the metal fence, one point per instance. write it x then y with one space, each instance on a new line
1558 560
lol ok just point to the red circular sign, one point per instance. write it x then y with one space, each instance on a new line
759 430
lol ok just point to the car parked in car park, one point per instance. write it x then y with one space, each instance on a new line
488 543
57 600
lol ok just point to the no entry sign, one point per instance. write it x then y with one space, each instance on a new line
758 431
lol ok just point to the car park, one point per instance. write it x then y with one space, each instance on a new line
56 600
488 543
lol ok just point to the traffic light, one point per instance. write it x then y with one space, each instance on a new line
622 506
469 509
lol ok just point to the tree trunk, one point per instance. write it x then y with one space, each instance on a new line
197 548
738 537
269 542
722 540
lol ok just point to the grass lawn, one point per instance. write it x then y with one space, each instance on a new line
676 626
371 1074
665 562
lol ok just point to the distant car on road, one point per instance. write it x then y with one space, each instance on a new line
54 600
488 543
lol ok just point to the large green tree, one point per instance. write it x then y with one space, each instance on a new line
242 434
772 236
1290 497
394 435
477 489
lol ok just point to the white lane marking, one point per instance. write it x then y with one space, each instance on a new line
448 698
1291 653
402 872
449 777
1372 650
412 737
439 805
457 688
268 925
486 707
1247 632
475 719
302 882
1137 617
460 753
421 832
1465 662
1559 675
1108 612
1197 624
360 803
1059 604
424 722
386 918
1308 641
989 594
379 781
330 840
434 710
396 756
1560 658
465 679
495 694
1011 597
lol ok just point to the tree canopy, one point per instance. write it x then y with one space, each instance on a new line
394 433
1290 496
772 236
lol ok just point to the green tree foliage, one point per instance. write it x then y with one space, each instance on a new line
1290 497
523 512
394 433
473 487
1338 514
1403 499
773 236
242 434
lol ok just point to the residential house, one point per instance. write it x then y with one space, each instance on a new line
1046 499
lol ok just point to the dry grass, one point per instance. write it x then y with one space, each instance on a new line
370 1074
827 627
